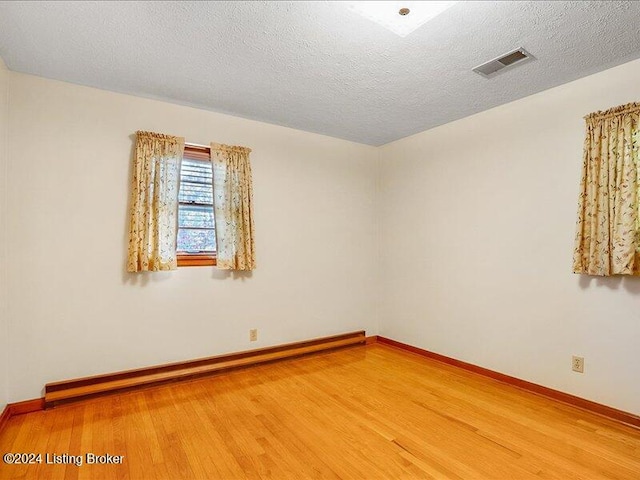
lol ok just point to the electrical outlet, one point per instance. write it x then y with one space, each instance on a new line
253 335
577 364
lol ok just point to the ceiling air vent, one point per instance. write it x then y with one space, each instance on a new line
508 60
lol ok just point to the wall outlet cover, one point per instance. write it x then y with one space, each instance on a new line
577 364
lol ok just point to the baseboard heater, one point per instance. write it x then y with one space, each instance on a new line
67 391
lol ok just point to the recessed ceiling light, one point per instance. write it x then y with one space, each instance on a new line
401 18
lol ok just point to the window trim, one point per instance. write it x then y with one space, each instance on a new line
196 259
197 152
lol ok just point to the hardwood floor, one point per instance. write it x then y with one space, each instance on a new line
361 412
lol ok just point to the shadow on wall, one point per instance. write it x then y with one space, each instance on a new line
144 278
241 275
629 283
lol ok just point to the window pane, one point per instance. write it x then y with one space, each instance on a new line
195 193
196 168
195 222
195 182
190 240
195 216
196 171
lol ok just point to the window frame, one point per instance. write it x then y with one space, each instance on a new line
185 259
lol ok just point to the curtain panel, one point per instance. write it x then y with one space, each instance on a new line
233 207
154 202
607 235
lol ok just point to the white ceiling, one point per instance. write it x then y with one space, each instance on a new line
317 66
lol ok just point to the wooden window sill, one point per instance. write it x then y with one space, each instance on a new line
196 260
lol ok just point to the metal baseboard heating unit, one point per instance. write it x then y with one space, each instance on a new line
511 59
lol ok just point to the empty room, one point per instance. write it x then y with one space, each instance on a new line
323 240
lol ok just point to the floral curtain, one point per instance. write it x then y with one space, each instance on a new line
233 207
608 232
154 202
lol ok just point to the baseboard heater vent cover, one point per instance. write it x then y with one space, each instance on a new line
67 391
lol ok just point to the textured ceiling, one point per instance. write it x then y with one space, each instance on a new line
317 66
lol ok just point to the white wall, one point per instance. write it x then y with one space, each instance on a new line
74 312
4 342
478 226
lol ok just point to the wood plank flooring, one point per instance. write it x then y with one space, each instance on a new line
359 413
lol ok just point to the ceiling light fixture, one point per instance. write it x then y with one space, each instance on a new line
401 18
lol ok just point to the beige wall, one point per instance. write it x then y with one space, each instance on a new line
478 225
4 342
457 240
73 310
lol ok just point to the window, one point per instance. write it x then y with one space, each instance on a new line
196 229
